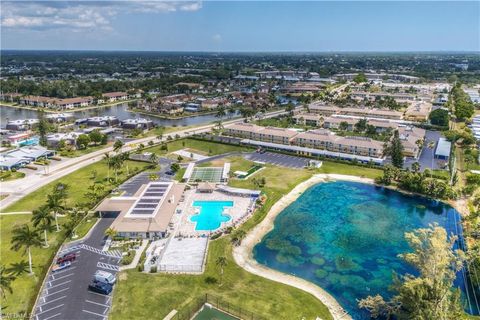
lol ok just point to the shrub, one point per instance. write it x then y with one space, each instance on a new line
210 280
153 269
216 236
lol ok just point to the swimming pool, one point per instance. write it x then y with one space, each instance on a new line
29 142
211 214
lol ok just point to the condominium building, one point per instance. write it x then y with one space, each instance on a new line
412 139
418 111
308 119
324 139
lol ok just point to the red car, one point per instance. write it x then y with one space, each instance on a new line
67 257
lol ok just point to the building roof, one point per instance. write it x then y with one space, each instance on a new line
443 147
114 94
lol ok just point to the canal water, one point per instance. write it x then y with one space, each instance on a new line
120 110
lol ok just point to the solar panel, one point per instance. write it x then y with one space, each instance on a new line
152 196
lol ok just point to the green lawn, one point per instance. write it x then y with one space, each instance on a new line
197 146
10 175
78 182
25 286
84 227
155 295
349 169
81 152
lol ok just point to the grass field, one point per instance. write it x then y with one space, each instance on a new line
197 146
144 295
25 286
78 182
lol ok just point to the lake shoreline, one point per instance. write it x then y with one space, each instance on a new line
243 254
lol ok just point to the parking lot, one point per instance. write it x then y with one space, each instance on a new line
278 159
65 293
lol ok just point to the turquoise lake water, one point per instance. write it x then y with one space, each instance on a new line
211 214
346 237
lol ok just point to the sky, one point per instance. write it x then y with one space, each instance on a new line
249 26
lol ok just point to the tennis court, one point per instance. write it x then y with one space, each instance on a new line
210 174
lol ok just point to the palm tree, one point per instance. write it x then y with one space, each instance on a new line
118 145
153 158
54 203
108 160
18 268
111 232
222 263
238 237
6 279
117 165
43 219
24 237
416 167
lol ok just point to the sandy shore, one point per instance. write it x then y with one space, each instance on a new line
243 254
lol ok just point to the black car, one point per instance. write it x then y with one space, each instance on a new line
100 287
170 173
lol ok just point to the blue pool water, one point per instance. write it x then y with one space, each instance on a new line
346 237
211 214
29 142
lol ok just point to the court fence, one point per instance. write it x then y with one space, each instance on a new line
190 310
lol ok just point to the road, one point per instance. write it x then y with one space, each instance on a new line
17 189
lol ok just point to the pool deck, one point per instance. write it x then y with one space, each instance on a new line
238 213
243 254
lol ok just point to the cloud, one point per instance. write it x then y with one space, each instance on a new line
217 38
81 15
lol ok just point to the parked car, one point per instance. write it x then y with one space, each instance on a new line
100 287
61 266
170 173
104 277
67 257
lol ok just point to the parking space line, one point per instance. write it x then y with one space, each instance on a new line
55 315
52 308
98 294
57 285
56 299
100 304
105 311
63 271
65 276
51 294
94 313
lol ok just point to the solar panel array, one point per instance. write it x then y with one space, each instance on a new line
150 199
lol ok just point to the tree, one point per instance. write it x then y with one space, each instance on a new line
42 128
6 279
361 125
153 158
439 117
117 164
95 136
43 219
343 125
395 150
56 200
111 232
18 268
24 237
221 112
360 78
109 162
238 237
222 263
416 166
83 141
174 167
428 295
152 177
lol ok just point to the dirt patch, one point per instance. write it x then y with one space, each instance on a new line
123 276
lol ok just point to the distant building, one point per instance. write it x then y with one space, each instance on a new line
21 124
418 111
137 123
106 121
115 96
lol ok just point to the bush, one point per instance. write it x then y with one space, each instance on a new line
210 280
140 268
153 269
216 236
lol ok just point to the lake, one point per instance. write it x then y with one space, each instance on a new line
346 237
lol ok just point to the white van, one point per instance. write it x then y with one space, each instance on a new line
104 277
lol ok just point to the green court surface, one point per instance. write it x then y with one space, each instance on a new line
210 174
210 313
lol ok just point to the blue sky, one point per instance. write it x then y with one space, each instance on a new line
241 26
